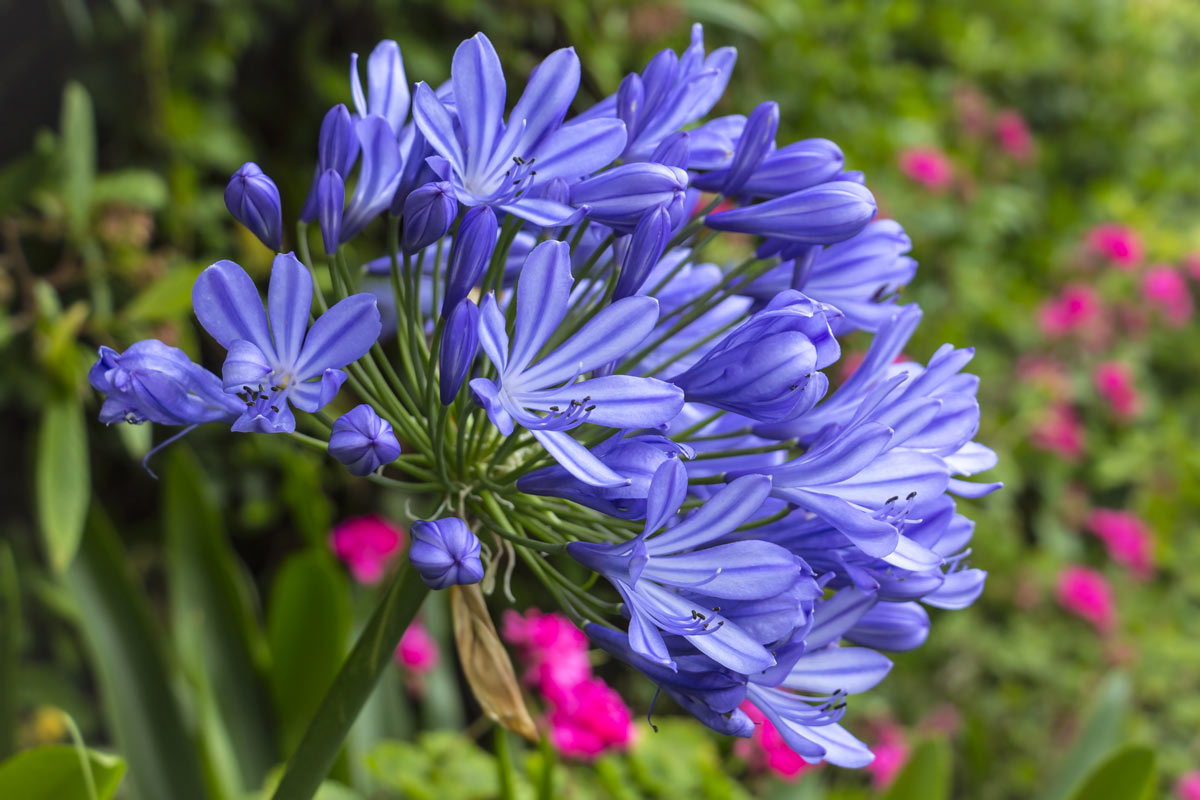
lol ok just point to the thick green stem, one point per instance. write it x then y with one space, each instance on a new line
353 685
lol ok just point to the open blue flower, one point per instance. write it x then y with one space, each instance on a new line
547 397
491 162
273 365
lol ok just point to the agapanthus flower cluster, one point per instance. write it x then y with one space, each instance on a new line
530 327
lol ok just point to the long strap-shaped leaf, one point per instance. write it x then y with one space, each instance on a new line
352 686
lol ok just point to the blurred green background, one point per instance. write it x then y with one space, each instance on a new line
123 120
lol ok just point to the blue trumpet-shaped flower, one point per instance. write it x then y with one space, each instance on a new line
387 92
491 162
272 365
547 397
153 382
662 574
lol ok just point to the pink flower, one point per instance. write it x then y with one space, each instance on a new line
1045 373
891 754
1076 307
1188 787
1114 382
971 108
1060 431
417 651
1086 593
1127 538
765 749
1165 288
366 545
1013 135
590 719
554 649
1117 243
928 166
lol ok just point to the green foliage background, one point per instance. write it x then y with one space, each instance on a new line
191 624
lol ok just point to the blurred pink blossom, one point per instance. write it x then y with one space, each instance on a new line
1114 382
891 753
590 719
1116 243
1165 288
971 108
366 545
1188 787
1191 265
1060 431
1013 135
1045 373
417 651
765 749
1075 308
927 166
1127 538
554 650
1085 592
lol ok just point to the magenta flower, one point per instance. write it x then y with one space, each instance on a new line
1013 136
552 647
1126 536
891 754
1114 382
1117 244
417 652
1086 593
1188 787
1060 431
927 166
366 545
1075 308
1165 289
590 720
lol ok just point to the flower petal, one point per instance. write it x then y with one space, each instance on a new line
606 337
289 299
838 669
726 510
339 336
542 294
479 95
229 307
577 459
436 125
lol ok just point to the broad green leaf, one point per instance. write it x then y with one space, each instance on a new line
62 480
926 775
77 145
308 624
1128 774
441 765
215 628
125 648
54 773
1098 735
166 299
140 188
10 639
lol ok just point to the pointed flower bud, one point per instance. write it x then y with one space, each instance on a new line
674 150
253 199
428 213
337 149
445 553
823 214
620 196
331 200
473 246
645 248
363 441
459 347
757 139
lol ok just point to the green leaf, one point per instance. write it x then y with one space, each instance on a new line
308 624
1128 774
78 154
19 178
61 479
1098 735
166 299
53 773
213 622
926 776
140 188
440 765
10 638
118 628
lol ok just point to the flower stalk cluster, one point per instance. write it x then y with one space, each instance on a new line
539 345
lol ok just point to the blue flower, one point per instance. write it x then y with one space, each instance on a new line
272 366
822 214
473 246
445 553
491 162
459 346
253 199
387 86
661 574
428 213
547 397
363 441
153 382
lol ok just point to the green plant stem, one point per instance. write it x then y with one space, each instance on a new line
504 765
352 686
